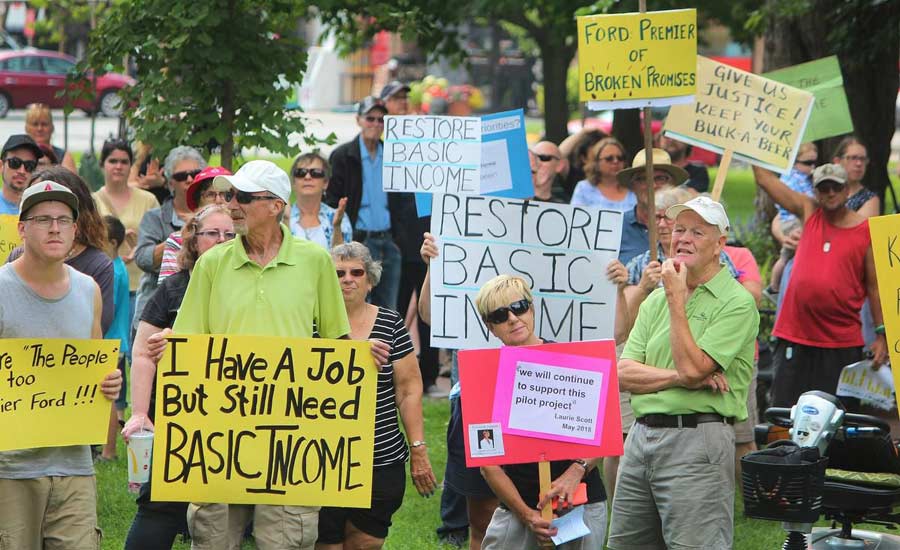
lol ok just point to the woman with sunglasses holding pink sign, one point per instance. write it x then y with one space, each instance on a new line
311 219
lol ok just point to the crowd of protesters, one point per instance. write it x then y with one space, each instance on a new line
165 242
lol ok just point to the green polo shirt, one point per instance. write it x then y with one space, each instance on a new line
724 322
231 294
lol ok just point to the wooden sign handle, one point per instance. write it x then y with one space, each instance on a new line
544 477
724 164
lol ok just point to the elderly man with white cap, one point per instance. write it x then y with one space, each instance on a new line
264 283
687 364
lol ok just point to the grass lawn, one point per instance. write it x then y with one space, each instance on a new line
415 523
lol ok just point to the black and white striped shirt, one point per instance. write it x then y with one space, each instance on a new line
390 447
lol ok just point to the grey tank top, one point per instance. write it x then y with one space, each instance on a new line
24 314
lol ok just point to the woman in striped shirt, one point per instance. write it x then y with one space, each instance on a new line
399 389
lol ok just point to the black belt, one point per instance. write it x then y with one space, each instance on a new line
682 420
360 235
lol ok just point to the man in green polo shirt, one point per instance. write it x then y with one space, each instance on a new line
687 364
264 283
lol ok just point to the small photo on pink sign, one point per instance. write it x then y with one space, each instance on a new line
550 395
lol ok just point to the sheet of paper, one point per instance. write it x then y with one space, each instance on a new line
570 526
495 174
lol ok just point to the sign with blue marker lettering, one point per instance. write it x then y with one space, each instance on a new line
505 170
560 250
432 154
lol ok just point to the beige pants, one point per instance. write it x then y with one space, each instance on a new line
221 526
49 513
675 489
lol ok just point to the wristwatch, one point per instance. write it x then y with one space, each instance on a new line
583 463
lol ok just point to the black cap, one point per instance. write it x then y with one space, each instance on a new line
393 88
368 103
19 141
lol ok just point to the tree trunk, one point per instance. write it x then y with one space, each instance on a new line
228 109
556 58
627 129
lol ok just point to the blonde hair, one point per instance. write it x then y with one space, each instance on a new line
36 111
500 292
189 253
592 164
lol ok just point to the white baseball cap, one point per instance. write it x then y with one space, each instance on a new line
711 211
257 176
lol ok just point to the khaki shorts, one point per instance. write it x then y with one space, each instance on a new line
221 526
675 489
506 531
49 513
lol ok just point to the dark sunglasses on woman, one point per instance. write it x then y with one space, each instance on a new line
314 173
182 176
500 315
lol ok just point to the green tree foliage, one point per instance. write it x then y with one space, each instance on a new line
207 72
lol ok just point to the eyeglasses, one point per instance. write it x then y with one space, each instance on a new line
216 234
356 272
546 158
314 173
500 315
830 186
15 163
45 222
244 197
612 158
810 163
856 158
182 176
213 195
374 119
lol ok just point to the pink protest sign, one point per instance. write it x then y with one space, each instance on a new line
569 407
551 395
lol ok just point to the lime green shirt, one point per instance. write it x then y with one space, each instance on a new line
724 322
231 294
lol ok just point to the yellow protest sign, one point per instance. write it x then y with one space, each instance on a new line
264 420
885 232
637 59
50 391
9 235
761 120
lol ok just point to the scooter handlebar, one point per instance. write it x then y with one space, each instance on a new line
781 416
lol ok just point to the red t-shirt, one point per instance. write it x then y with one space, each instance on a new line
827 288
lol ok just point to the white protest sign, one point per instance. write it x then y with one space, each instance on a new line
432 154
560 250
874 386
575 389
495 175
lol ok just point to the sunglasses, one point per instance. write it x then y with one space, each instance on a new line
244 197
500 315
829 186
15 163
314 173
658 178
546 158
215 234
182 176
810 163
356 272
374 119
613 158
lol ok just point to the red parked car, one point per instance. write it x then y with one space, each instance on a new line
37 76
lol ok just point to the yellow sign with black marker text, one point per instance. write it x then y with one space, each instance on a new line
637 59
9 235
885 232
50 391
265 420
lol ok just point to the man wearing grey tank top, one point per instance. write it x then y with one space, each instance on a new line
48 496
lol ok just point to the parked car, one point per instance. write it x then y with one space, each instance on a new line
38 76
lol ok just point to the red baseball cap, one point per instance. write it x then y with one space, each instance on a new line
193 191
